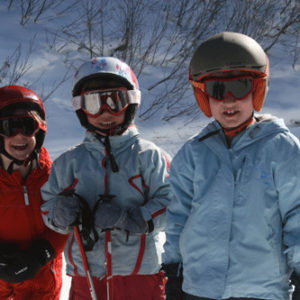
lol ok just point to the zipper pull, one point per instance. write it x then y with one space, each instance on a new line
26 199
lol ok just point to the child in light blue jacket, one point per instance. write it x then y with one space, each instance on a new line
233 227
114 186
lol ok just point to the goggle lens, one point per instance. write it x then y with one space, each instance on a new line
239 87
11 126
93 102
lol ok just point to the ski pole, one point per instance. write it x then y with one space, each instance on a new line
109 280
85 264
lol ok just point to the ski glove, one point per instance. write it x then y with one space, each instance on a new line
173 289
18 265
110 216
295 281
73 210
67 211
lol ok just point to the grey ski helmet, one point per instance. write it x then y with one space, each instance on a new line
229 51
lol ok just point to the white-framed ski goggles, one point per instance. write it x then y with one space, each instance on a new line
115 100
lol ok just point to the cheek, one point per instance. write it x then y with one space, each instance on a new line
32 142
121 118
214 105
248 103
6 143
91 120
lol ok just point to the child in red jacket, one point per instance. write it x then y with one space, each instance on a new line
30 253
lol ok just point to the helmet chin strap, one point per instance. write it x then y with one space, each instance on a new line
106 132
33 156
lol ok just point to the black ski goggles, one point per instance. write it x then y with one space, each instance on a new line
11 126
114 100
219 88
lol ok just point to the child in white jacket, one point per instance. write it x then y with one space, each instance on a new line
114 185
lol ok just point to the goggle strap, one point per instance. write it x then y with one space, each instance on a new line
76 102
199 85
134 96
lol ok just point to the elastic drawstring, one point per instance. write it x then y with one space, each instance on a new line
114 166
35 155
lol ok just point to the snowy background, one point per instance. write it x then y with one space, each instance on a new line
64 130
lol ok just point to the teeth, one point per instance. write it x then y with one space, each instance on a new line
19 145
106 123
230 112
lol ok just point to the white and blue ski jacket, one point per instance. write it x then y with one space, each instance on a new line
142 180
234 222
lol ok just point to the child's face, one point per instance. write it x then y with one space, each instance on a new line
19 146
230 112
106 121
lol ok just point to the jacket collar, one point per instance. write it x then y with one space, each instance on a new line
117 142
265 125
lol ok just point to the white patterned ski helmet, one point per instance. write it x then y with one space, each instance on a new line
103 69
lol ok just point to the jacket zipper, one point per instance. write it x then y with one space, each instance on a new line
26 199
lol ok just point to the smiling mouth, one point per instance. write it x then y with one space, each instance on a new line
230 112
107 125
20 147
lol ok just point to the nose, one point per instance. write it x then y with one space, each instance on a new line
20 134
229 98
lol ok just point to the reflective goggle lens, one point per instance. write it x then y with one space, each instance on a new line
11 126
239 87
94 102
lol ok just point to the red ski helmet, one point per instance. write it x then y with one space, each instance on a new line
14 97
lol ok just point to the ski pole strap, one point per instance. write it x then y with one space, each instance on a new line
88 232
85 221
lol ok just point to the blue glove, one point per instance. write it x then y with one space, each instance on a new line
67 211
110 216
295 280
173 289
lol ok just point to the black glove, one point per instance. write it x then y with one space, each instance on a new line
19 265
173 286
295 281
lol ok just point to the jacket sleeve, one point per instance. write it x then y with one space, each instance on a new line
155 171
181 179
57 240
287 180
50 194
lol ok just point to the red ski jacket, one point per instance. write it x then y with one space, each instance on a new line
20 201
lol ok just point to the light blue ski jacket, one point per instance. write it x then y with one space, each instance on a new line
142 180
235 219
